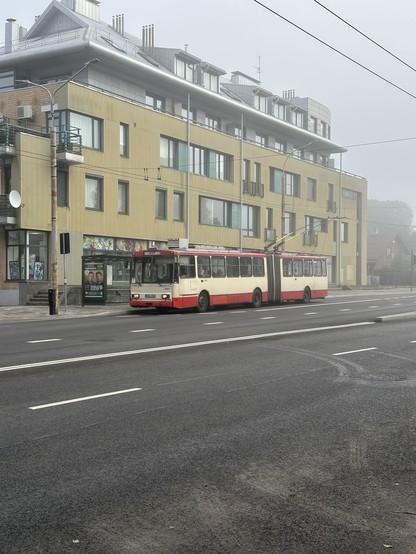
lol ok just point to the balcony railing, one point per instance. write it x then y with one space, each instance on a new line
7 212
69 145
7 139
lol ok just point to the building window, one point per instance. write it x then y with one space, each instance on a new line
292 184
27 255
211 81
7 80
178 206
90 128
275 181
173 153
124 140
219 166
261 139
123 197
290 223
348 193
260 103
315 224
155 102
279 146
313 125
94 193
197 160
269 218
212 122
161 207
344 231
214 212
297 118
192 113
311 189
257 173
185 70
219 213
279 111
250 221
62 183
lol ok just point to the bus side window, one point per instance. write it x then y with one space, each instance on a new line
297 268
258 267
287 268
307 268
187 267
233 269
204 269
245 267
317 268
218 266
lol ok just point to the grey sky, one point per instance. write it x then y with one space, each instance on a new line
236 34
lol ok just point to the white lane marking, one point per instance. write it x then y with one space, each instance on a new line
354 351
345 310
310 313
413 341
374 306
214 323
180 346
269 317
238 312
398 304
73 400
141 330
42 340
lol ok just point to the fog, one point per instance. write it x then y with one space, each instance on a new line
371 117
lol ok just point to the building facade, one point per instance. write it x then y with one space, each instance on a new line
153 145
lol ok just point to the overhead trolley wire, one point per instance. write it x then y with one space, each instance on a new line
336 50
365 36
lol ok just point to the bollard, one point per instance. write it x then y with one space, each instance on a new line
51 300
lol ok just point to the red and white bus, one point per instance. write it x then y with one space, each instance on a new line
199 279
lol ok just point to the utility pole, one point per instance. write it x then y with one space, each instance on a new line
54 243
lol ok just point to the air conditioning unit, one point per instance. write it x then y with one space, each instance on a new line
24 112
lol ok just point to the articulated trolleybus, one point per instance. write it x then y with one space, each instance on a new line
199 279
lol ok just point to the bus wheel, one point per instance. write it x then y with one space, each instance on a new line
307 295
203 302
257 298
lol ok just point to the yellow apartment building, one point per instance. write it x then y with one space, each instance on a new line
154 145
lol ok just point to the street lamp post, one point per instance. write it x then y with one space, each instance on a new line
54 244
283 205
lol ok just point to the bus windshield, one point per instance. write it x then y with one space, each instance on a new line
152 269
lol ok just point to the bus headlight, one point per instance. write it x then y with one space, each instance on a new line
135 296
165 296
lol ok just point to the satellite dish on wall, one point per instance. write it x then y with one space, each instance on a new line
15 199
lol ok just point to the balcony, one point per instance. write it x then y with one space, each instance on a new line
69 146
7 140
310 239
270 235
8 214
253 188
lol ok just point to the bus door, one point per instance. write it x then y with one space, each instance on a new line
273 278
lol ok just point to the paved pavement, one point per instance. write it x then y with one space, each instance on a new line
16 313
12 313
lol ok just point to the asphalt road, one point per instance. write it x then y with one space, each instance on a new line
300 440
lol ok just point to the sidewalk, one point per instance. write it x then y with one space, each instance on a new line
15 313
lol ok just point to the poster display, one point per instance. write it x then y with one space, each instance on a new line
94 283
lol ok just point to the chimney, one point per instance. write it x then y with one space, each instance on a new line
11 35
118 23
148 38
89 8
